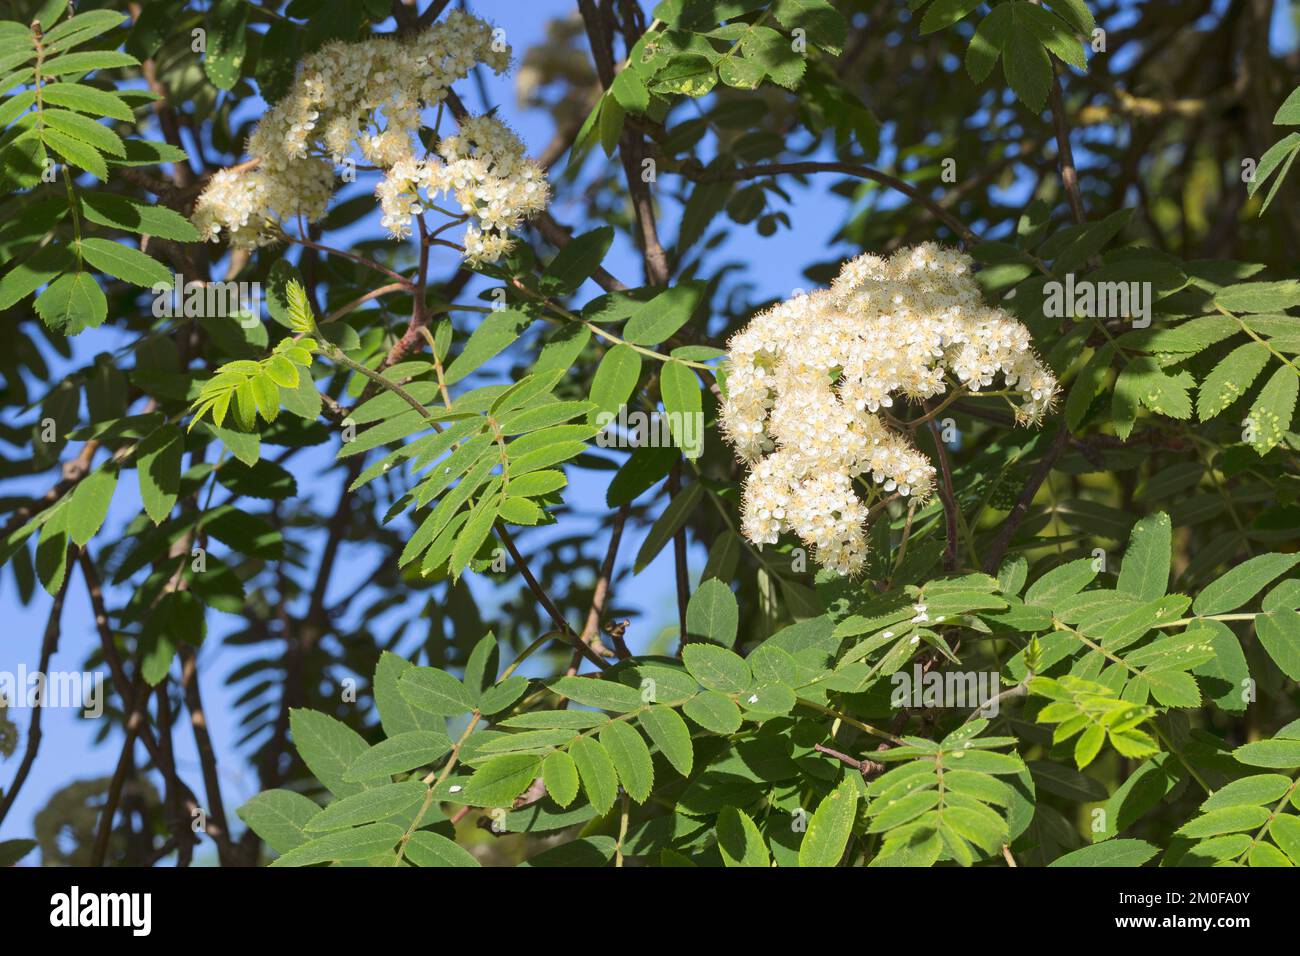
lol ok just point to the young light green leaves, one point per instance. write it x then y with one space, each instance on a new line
1090 709
246 390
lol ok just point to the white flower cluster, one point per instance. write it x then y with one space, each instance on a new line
806 379
368 96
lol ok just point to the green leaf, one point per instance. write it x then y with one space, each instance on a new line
369 806
1260 296
80 28
717 668
596 770
686 75
426 848
492 336
1265 854
177 618
1230 379
1027 65
435 691
1077 13
328 747
576 261
361 843
122 213
644 468
1053 33
475 531
592 851
831 826
87 99
593 692
944 13
28 276
85 129
821 22
741 73
398 754
1270 417
1252 791
1278 752
1109 853
158 465
739 840
280 818
11 851
1242 583
1061 582
87 62
631 758
72 303
76 152
497 698
680 389
611 121
1279 633
497 782
712 614
1285 831
630 91
615 378
1163 394
1086 385
227 43
396 714
670 734
654 321
123 262
546 416
1226 820
1145 571
714 711
560 775
89 504
667 525
1288 114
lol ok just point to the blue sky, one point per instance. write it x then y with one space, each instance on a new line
774 267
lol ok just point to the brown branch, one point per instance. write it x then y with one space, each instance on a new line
679 558
49 645
1065 154
184 839
162 759
591 629
865 767
125 765
203 743
545 601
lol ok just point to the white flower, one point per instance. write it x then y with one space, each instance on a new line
806 379
368 97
